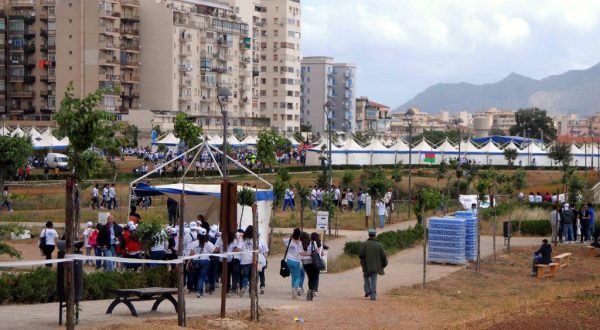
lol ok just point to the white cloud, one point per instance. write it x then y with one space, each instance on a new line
404 46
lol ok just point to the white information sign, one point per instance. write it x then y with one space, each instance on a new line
368 205
322 220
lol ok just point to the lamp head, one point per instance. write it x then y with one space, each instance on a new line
224 94
409 115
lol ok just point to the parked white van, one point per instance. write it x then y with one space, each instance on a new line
54 160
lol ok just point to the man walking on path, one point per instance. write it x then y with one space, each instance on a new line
372 260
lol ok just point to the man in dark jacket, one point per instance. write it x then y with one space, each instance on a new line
372 261
108 237
543 256
172 207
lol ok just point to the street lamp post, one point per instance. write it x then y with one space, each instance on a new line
409 115
224 94
327 108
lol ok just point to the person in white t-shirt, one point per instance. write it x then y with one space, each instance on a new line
86 241
293 260
313 199
381 212
50 239
201 247
263 251
245 245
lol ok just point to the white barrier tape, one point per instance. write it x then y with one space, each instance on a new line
72 257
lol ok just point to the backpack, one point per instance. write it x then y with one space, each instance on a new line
92 239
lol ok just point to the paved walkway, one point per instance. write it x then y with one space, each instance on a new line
405 269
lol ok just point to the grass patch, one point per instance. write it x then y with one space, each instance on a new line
342 263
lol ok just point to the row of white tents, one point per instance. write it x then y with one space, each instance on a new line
41 139
172 142
376 153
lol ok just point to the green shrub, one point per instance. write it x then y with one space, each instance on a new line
39 286
535 227
351 248
392 241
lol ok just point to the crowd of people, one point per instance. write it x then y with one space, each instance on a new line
570 225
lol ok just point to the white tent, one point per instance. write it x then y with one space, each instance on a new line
47 132
170 141
33 132
18 132
420 150
49 142
293 141
445 151
355 154
578 155
250 140
493 154
400 150
215 141
234 142
533 155
4 131
205 199
314 154
511 145
380 155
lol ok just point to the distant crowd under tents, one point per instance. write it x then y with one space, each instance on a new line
40 139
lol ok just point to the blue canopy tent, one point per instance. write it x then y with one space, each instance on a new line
499 139
205 199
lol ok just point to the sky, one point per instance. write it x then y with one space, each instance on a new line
402 47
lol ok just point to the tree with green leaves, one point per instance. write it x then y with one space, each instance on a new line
376 182
245 197
510 154
518 179
130 134
576 190
186 130
348 179
266 146
284 175
561 154
13 154
533 121
322 179
303 194
86 127
442 170
397 174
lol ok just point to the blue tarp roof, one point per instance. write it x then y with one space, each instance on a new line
143 189
505 139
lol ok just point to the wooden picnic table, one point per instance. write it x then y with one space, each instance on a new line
127 296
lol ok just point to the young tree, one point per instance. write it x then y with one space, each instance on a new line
519 179
397 173
347 179
130 134
322 179
245 197
13 154
510 155
442 170
303 194
86 127
186 130
576 189
5 230
376 182
427 199
561 154
266 147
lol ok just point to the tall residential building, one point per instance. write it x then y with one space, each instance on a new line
27 56
99 42
324 80
275 57
498 119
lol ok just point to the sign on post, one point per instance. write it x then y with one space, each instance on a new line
322 220
368 205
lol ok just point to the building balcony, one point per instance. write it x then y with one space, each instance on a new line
44 33
21 94
108 45
110 30
207 84
131 64
108 61
47 109
185 98
206 99
130 19
29 49
224 43
108 14
185 37
22 3
16 79
130 48
130 3
185 51
129 32
48 78
47 93
110 77
29 80
129 79
131 96
185 82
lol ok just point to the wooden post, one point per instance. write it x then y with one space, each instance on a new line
228 223
69 266
366 222
492 204
181 321
254 277
424 250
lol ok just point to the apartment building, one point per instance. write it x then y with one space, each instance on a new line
275 58
323 80
372 117
498 119
421 122
27 56
99 43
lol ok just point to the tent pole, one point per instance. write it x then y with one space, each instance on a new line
243 167
190 164
214 160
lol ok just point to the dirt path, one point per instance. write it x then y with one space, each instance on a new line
405 269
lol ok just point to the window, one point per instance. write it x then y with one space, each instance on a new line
16 25
274 105
263 92
275 92
263 69
274 69
275 57
276 33
263 81
16 41
290 93
274 117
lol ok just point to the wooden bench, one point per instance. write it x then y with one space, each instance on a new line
591 250
541 270
563 259
125 296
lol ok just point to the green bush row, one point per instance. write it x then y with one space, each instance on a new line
391 240
535 227
39 286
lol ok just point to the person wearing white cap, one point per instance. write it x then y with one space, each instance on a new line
215 262
263 251
188 240
202 246
89 228
245 245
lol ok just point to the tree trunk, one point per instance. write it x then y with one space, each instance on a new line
69 284
302 218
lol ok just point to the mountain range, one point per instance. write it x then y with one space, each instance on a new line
575 91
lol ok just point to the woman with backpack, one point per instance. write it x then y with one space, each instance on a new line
311 243
294 246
